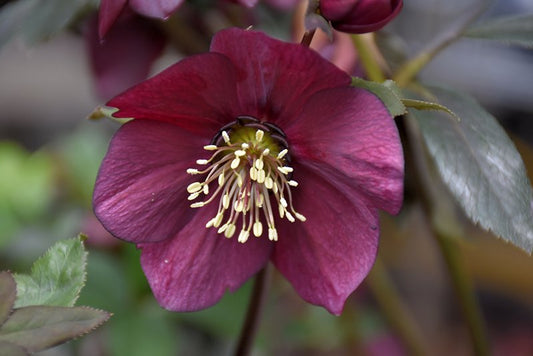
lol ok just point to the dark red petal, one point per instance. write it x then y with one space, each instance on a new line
365 16
192 270
351 135
336 9
108 13
132 37
197 94
326 257
155 8
275 78
141 189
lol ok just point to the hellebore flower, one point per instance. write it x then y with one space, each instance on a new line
133 37
258 150
111 9
359 16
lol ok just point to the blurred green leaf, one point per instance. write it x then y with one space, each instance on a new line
39 327
145 331
514 30
7 348
107 288
481 166
56 278
388 93
26 182
8 293
224 318
82 154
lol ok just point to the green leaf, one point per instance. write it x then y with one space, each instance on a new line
26 182
514 30
481 167
428 105
7 348
388 93
56 278
40 327
147 331
8 293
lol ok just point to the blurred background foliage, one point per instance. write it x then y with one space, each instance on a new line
50 154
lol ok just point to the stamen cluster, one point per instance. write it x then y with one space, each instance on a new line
247 173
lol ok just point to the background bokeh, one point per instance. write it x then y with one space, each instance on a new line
50 153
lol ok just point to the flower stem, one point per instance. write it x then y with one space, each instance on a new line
308 37
447 240
465 292
251 323
395 310
368 57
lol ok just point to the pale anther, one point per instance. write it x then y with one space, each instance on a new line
193 196
253 173
235 163
210 147
194 187
258 228
282 153
202 161
259 135
269 183
197 204
299 216
243 236
272 234
192 171
225 201
230 231
261 175
225 136
293 183
239 153
238 206
290 217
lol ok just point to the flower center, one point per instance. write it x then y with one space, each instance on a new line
249 165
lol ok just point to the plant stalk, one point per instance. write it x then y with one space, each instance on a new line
395 311
368 57
253 314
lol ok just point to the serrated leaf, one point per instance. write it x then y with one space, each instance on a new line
56 278
481 166
386 92
8 293
39 327
9 349
428 105
515 30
